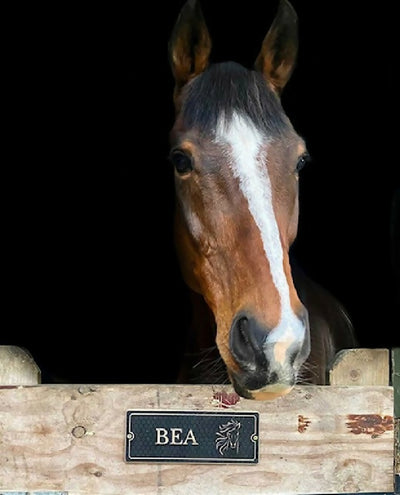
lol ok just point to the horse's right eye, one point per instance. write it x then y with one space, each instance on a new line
181 161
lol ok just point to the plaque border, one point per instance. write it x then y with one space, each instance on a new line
201 460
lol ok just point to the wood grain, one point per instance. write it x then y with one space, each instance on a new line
17 367
361 367
315 440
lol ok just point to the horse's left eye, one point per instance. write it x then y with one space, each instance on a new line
302 162
181 161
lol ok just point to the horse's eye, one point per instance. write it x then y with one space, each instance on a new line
181 161
302 162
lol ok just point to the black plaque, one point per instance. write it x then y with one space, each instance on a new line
195 436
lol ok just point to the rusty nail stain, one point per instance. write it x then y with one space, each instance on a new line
302 423
369 424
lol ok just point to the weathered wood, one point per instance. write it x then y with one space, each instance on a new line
17 367
315 440
396 380
396 390
361 367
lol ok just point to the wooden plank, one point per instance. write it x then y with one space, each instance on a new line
315 440
361 367
17 367
396 380
396 387
75 493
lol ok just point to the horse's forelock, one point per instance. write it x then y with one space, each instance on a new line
226 89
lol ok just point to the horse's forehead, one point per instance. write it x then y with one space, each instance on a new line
240 134
247 140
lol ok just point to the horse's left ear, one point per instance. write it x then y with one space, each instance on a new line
189 45
278 54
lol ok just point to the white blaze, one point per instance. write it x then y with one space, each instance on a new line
249 164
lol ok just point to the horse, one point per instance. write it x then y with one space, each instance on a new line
258 321
228 437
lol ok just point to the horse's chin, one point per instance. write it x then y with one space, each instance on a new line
268 392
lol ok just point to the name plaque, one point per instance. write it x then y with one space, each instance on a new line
195 436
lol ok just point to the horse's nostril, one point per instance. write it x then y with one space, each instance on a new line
240 343
242 325
246 340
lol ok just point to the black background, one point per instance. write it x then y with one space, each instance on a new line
91 285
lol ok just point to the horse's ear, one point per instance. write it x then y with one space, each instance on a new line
189 45
278 54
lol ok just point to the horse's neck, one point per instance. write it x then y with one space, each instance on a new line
330 329
330 326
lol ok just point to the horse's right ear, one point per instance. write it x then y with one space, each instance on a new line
189 45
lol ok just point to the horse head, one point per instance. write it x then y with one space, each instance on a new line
236 159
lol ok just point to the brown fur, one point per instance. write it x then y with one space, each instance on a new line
218 243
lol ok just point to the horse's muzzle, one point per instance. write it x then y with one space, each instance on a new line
268 360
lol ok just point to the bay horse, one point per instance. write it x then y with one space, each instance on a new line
258 321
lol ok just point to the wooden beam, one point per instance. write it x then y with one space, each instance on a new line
361 367
396 390
315 440
17 367
396 380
